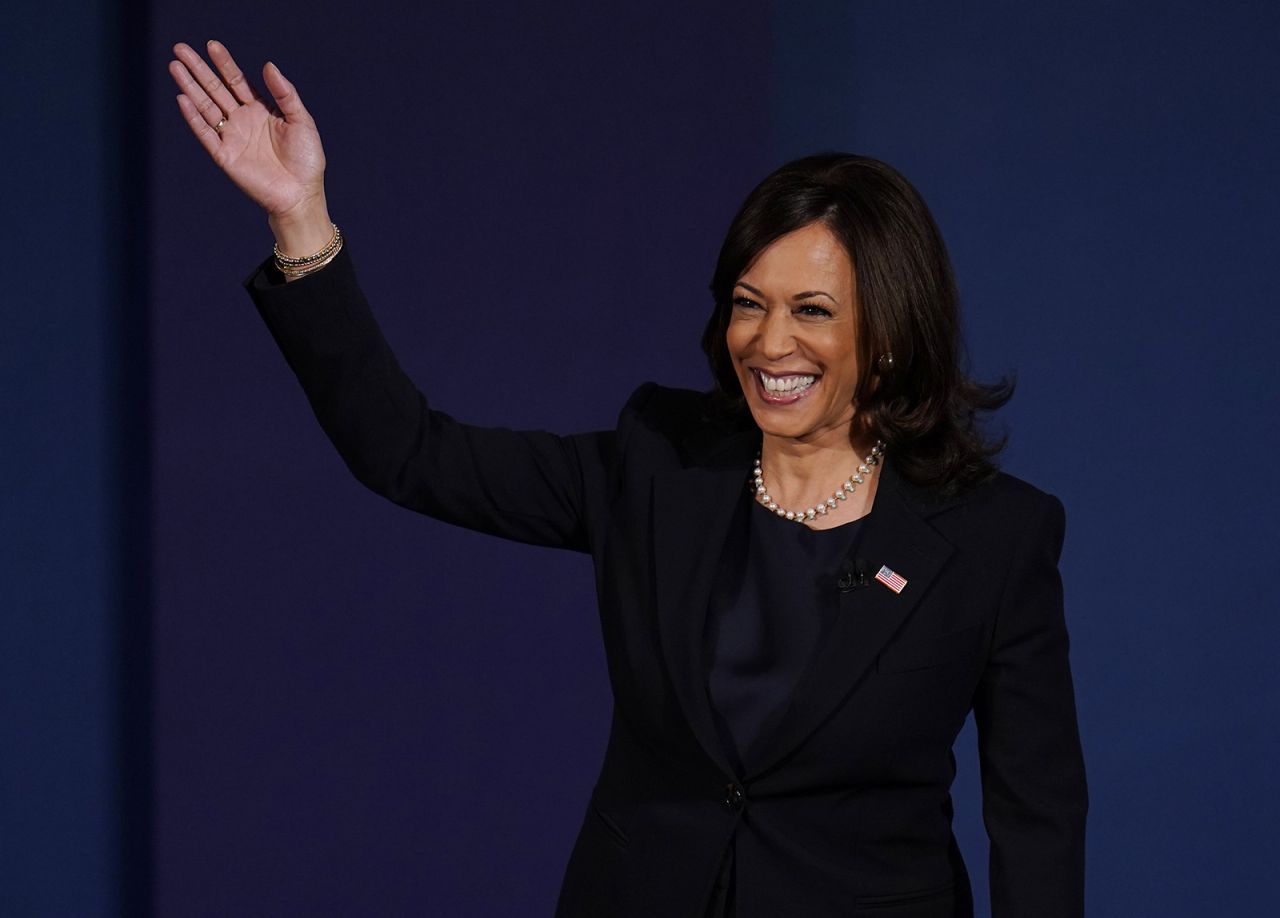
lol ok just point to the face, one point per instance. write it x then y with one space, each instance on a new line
792 336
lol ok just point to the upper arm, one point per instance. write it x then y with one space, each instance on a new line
531 486
1034 796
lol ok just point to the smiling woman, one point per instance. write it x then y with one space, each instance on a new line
856 230
797 350
786 697
795 355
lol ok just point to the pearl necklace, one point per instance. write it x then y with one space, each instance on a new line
825 507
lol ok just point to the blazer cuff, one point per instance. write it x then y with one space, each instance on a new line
324 296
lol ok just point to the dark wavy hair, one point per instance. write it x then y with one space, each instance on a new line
925 407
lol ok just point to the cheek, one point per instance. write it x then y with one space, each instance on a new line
841 350
735 340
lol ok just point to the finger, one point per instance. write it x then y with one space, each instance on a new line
195 93
232 75
286 96
209 81
207 136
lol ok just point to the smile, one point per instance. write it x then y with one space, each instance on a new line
784 390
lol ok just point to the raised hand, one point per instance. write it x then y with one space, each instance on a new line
275 157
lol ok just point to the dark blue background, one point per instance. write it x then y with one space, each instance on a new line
232 678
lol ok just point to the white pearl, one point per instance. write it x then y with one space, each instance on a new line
822 509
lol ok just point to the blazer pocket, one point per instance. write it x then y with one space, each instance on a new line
610 825
924 653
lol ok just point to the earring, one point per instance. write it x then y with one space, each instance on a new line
885 363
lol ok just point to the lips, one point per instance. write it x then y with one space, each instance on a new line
784 389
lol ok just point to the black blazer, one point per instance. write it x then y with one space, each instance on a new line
847 810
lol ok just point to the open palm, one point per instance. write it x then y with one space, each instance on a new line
275 157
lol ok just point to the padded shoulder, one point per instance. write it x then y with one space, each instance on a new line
683 420
1002 516
1009 490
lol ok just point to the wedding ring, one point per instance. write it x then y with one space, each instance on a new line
218 127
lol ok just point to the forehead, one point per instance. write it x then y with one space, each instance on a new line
808 258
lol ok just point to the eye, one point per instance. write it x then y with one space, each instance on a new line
743 302
813 309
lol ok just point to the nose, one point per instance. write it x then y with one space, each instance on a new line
776 339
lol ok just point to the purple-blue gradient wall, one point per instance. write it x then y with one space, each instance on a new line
534 194
359 710
1106 177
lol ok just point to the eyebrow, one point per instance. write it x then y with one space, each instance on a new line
798 296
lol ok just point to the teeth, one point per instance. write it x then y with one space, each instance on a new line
786 383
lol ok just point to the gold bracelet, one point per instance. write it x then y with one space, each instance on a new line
295 271
283 260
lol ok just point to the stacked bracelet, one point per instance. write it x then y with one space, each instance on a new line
298 267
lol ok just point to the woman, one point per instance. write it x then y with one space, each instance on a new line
807 578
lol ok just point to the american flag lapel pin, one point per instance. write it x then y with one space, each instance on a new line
892 580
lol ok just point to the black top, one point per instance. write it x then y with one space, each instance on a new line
772 602
771 605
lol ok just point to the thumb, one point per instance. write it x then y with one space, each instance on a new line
285 94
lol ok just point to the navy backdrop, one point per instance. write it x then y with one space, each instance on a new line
232 677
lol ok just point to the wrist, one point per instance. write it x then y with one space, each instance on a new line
304 229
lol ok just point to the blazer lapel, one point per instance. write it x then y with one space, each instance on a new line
692 510
896 535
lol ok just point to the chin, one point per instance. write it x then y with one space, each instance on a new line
793 428
788 423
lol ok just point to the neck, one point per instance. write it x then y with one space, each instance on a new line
800 473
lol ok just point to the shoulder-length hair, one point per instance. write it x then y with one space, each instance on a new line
924 406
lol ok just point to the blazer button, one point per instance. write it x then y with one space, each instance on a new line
734 798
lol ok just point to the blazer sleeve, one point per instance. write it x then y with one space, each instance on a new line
529 486
1033 781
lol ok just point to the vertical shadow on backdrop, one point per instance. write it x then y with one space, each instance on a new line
126 242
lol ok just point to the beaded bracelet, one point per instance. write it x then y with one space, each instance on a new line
296 272
296 267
